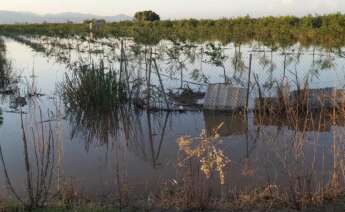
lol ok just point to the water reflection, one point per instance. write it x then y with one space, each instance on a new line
232 123
9 81
319 121
1 117
5 70
156 144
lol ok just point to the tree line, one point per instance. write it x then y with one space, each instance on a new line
327 31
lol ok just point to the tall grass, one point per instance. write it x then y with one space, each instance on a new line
95 99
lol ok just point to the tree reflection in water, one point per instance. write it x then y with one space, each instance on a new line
6 72
7 79
1 117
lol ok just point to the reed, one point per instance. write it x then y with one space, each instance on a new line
94 100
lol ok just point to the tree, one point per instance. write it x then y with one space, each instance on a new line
146 16
317 22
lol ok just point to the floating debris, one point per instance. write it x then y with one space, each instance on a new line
225 97
187 97
18 102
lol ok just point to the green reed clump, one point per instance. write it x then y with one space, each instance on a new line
93 88
94 98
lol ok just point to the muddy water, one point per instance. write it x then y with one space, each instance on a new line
144 153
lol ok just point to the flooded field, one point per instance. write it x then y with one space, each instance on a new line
77 119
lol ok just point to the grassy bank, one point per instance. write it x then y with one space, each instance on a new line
87 207
257 205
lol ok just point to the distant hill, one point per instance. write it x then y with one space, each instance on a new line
12 17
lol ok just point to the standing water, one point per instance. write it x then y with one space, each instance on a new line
62 129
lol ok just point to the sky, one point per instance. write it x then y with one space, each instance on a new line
177 9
